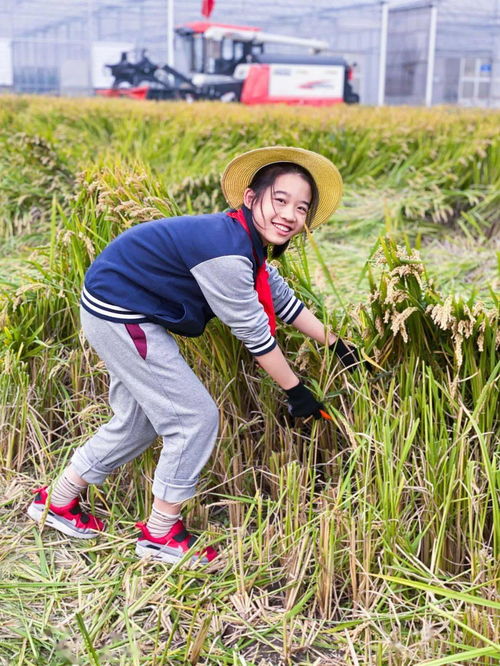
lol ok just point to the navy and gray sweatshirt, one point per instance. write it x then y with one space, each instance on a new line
180 272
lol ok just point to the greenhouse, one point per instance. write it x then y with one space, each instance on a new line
418 53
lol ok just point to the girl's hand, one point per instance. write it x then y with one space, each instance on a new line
348 355
302 403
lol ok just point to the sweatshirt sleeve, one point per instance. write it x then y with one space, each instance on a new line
227 284
286 305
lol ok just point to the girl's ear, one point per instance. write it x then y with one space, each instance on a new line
248 197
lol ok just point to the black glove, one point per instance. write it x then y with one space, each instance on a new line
301 402
348 355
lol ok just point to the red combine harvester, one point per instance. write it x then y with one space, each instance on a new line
228 63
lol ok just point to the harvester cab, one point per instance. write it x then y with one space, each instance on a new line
229 62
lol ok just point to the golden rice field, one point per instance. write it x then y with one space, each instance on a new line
372 539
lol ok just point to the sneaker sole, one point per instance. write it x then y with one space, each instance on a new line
146 553
36 514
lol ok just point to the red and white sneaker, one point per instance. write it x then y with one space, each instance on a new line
171 547
68 519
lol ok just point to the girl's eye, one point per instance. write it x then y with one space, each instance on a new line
280 200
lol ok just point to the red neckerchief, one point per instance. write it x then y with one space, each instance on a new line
262 278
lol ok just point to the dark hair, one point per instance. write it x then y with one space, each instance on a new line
266 177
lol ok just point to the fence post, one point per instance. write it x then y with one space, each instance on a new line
382 59
431 54
170 33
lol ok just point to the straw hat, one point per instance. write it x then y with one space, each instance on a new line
239 172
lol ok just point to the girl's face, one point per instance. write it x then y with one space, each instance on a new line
282 211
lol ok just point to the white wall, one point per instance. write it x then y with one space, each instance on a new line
6 75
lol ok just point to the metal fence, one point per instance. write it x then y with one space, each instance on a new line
417 53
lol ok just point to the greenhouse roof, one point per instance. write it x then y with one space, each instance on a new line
25 18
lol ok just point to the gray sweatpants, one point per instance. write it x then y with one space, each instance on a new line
152 392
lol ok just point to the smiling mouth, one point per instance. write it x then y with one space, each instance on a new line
283 228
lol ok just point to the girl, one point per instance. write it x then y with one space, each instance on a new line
172 276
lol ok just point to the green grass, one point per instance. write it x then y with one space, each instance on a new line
371 539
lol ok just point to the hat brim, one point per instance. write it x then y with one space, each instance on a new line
239 172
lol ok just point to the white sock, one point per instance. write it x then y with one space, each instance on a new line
65 490
159 523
